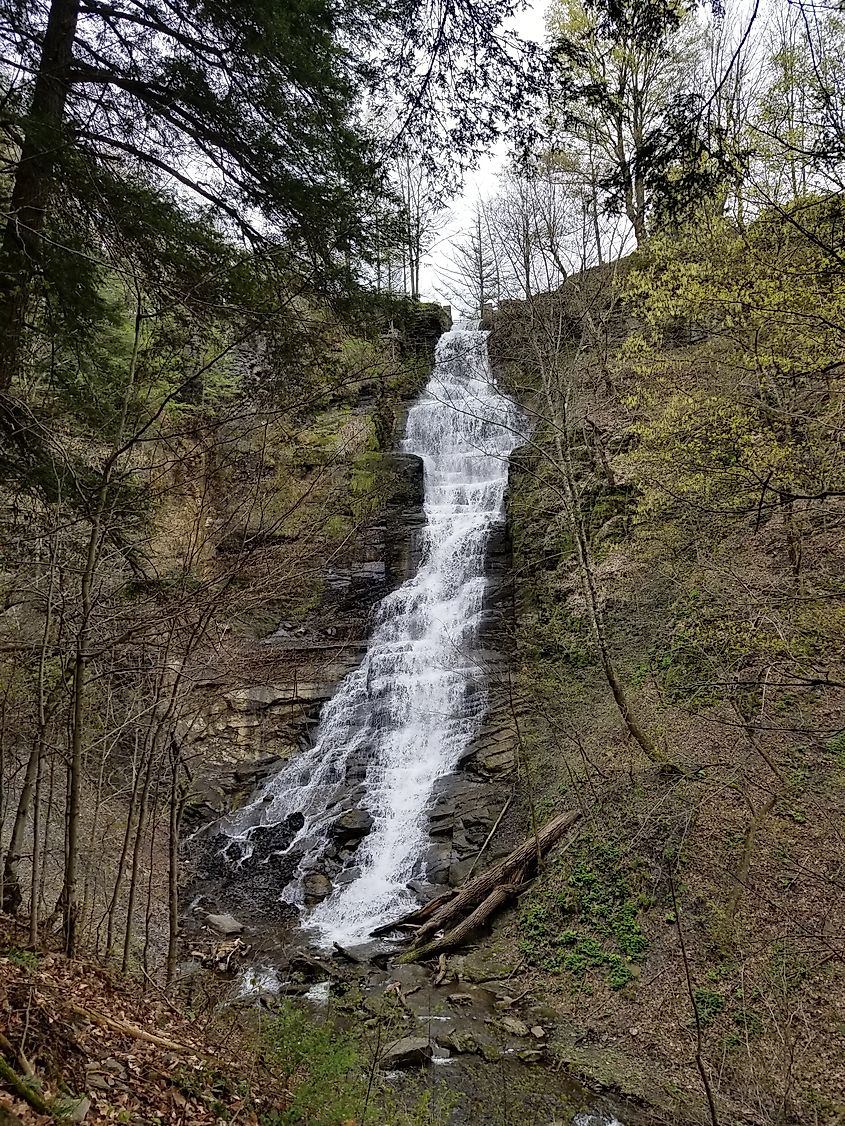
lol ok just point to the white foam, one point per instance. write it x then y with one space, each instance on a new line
259 981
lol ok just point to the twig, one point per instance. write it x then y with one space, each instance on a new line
698 1057
162 994
16 1055
442 970
496 825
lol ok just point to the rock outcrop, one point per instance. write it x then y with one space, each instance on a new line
258 704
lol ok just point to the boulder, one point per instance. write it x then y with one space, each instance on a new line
480 966
225 924
459 998
514 1026
354 823
316 886
408 1051
462 1042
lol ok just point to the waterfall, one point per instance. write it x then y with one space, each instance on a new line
409 710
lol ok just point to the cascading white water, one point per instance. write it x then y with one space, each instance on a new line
417 699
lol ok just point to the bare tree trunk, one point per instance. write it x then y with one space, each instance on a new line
124 852
12 895
48 819
175 814
80 669
148 913
595 615
35 892
793 535
143 809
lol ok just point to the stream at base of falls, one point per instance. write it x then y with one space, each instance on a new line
403 718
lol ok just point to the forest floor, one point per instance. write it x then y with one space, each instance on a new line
99 1047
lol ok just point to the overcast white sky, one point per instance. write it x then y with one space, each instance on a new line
531 25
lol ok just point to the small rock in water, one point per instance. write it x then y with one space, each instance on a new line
464 1043
225 924
361 953
459 998
347 875
408 1051
530 1055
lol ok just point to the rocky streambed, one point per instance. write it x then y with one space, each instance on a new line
470 1030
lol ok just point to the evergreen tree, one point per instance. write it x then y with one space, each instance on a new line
621 70
251 109
248 106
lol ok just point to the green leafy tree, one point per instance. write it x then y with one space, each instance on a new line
621 70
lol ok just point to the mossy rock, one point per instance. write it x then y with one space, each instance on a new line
608 1069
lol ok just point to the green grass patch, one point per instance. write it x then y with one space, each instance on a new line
585 919
23 959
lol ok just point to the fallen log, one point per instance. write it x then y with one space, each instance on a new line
413 918
132 1030
478 889
494 902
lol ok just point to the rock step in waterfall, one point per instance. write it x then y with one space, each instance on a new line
404 717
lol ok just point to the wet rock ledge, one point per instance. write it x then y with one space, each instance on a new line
250 730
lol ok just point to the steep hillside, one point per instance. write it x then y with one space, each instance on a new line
678 556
